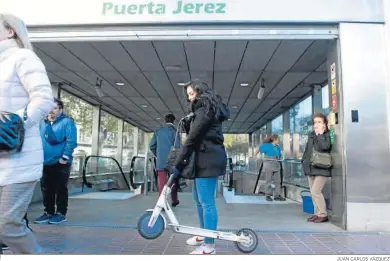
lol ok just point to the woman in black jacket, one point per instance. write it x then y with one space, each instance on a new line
205 139
319 139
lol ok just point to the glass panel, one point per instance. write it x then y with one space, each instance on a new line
325 100
262 135
237 148
138 170
128 146
108 141
300 125
82 114
277 128
141 142
300 117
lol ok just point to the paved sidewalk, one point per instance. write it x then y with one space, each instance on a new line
103 226
126 241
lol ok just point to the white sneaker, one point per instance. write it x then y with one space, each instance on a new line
195 241
204 250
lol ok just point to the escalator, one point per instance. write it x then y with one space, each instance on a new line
137 173
104 178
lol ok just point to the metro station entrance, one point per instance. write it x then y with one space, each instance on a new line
127 64
135 74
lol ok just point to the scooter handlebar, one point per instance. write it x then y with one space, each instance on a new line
170 180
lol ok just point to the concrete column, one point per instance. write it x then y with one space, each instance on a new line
135 137
119 148
317 99
286 135
250 145
269 128
56 91
96 130
146 143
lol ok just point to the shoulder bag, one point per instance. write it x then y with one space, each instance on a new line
188 171
11 132
321 160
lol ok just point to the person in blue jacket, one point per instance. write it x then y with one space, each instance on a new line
271 150
160 145
59 139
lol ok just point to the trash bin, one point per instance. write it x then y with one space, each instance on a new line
307 202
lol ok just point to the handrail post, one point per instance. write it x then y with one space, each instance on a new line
146 174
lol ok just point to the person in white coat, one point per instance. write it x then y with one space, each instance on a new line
24 84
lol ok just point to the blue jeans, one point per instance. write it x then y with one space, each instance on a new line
203 193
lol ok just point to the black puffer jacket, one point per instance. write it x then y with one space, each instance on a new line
205 138
321 143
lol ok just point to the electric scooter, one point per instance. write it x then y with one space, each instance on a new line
152 224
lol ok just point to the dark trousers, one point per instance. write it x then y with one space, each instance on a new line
54 186
162 180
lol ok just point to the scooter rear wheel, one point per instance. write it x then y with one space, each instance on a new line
251 245
147 232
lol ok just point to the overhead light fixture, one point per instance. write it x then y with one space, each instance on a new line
120 83
234 106
181 83
244 84
261 92
173 68
158 118
144 106
229 119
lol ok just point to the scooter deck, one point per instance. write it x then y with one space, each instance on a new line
205 233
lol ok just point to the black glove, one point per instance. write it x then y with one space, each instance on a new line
176 173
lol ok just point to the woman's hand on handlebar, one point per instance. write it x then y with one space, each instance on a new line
175 173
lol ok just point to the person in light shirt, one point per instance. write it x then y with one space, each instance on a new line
271 150
24 87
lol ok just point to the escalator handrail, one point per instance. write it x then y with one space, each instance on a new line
259 175
88 184
153 161
134 186
131 174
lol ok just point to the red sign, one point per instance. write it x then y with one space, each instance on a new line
334 102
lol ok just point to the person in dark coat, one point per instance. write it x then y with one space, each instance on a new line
160 145
205 139
319 139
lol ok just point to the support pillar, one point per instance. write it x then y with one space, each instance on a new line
119 148
56 91
135 137
362 180
269 128
286 135
317 99
250 145
96 130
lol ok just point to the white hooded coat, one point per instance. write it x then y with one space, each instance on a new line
23 84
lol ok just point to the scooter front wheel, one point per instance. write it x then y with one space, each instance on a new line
251 245
150 232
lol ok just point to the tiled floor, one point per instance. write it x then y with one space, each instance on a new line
82 240
104 226
125 213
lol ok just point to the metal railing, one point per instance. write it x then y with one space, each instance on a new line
144 173
107 169
288 172
229 174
